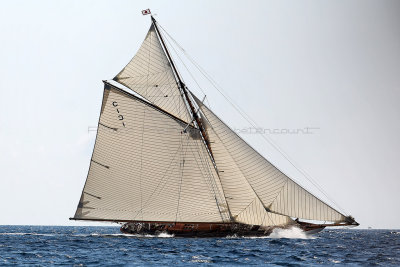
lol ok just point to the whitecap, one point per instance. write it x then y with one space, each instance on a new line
36 234
334 261
201 259
292 233
161 235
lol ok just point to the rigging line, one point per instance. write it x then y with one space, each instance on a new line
168 36
144 119
205 164
230 155
190 73
182 164
205 160
181 148
254 124
204 157
183 63
279 149
162 178
270 217
277 168
207 178
248 205
141 162
171 87
186 96
177 76
183 50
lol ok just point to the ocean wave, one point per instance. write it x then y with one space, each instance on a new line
30 246
290 233
36 234
334 261
161 235
201 259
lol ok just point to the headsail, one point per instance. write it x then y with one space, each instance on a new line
244 204
255 214
248 169
149 74
145 168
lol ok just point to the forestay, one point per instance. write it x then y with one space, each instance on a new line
146 168
149 74
247 174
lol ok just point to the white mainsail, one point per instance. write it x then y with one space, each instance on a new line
145 168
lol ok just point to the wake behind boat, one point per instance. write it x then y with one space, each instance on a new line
163 162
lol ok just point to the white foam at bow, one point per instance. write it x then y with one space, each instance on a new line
293 232
164 235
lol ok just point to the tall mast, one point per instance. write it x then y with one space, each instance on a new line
185 95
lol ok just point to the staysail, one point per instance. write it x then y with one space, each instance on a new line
146 168
245 169
244 204
149 74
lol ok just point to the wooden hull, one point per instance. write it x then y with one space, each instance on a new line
310 228
207 229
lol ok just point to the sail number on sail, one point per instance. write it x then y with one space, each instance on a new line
120 116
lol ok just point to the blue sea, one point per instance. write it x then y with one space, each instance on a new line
81 246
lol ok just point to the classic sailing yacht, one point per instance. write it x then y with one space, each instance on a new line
164 162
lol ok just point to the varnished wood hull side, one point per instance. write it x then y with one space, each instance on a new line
205 229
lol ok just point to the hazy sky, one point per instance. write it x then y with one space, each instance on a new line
331 65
